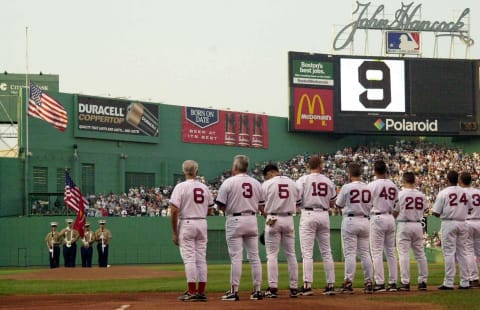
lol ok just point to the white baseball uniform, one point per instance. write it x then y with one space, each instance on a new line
317 193
193 199
242 195
355 200
411 207
282 196
382 229
452 205
473 224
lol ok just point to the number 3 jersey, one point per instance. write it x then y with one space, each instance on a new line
316 191
193 199
411 205
241 193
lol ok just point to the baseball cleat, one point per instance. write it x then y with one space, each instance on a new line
305 291
422 286
445 288
329 290
392 287
271 293
464 287
230 296
368 287
474 284
199 297
256 295
379 288
186 297
404 287
293 293
347 288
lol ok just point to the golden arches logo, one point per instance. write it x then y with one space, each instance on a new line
311 109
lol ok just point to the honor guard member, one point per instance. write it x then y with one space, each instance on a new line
52 240
452 205
318 195
281 200
473 224
103 237
70 237
355 201
382 228
240 197
409 211
190 203
86 250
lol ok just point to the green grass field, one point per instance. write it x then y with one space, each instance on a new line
218 280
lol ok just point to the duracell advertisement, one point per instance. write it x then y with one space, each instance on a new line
211 126
117 116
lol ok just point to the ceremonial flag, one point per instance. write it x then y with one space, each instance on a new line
42 106
74 199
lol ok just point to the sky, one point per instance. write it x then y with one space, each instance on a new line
212 53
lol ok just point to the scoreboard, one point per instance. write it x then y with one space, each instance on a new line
383 95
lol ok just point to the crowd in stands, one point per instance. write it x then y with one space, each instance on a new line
429 161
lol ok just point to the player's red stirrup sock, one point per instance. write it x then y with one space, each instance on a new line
192 288
201 287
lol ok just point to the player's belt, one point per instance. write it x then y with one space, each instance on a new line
473 218
315 209
408 221
450 219
357 215
192 218
281 214
243 213
380 213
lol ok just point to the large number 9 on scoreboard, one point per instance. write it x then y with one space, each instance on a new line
370 85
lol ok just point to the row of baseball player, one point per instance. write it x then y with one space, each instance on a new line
368 227
69 236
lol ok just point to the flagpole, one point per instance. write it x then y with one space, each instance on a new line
27 147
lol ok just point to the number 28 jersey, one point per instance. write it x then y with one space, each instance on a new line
241 193
316 191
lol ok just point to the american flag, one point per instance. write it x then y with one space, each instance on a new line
74 199
44 107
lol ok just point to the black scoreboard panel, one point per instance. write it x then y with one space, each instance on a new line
383 96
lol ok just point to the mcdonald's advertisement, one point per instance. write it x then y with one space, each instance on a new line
117 119
312 109
210 126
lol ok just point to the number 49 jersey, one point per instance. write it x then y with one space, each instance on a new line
316 191
411 205
384 195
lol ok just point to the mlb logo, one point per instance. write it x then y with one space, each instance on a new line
403 42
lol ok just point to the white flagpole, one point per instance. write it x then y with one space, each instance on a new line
27 148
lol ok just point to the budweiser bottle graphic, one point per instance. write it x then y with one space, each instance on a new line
244 134
257 136
230 128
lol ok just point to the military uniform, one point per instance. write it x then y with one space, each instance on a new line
70 237
52 239
103 237
86 250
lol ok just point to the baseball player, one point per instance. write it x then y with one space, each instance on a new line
473 225
409 211
190 203
281 199
382 228
241 197
355 202
451 205
318 195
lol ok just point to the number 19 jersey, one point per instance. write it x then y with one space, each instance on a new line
316 191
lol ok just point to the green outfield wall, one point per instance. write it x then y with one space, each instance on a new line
141 240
